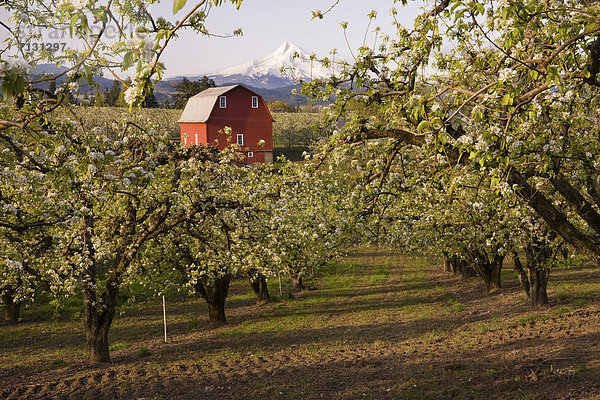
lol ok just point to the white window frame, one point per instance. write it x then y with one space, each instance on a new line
240 139
254 101
196 139
223 101
250 154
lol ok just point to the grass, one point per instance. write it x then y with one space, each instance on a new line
410 318
119 346
143 352
530 318
580 303
58 363
562 310
454 303
579 368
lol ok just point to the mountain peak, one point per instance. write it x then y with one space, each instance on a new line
288 57
288 48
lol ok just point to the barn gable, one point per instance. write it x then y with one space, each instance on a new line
200 106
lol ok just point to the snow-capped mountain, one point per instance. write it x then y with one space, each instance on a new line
266 73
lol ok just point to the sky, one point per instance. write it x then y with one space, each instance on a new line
266 24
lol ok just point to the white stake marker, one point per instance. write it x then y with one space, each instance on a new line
280 291
165 317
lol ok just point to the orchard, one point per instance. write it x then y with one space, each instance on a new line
470 137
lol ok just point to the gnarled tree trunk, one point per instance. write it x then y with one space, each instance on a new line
259 284
12 308
97 322
214 292
459 266
523 277
489 269
538 255
538 281
297 284
447 263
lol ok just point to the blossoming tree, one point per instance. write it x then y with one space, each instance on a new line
510 86
78 204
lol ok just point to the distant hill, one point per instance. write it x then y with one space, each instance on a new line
263 76
52 69
165 89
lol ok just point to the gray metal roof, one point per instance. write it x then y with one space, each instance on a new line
199 107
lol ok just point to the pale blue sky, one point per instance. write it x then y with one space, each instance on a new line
266 25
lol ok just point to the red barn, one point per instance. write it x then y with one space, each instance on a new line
209 112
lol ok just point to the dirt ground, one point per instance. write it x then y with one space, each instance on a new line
411 332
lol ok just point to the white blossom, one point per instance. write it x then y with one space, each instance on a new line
79 4
506 74
131 94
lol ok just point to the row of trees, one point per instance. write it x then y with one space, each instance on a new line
88 211
115 97
491 152
495 104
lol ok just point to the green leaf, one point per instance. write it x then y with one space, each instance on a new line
480 8
74 20
422 126
178 5
84 23
89 76
533 74
100 14
507 100
553 73
127 60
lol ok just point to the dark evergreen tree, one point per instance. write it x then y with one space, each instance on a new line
112 94
186 89
150 101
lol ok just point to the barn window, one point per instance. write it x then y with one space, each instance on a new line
250 154
240 139
196 139
254 101
223 101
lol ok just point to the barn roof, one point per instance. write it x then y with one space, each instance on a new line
199 107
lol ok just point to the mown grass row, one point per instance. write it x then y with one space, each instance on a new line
373 296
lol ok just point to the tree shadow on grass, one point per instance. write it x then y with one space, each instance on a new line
371 372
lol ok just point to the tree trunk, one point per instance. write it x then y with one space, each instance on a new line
538 254
496 275
556 219
12 308
465 270
564 251
97 323
214 292
259 284
297 284
447 263
538 279
489 270
523 278
460 266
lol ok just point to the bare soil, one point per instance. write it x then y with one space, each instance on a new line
385 327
